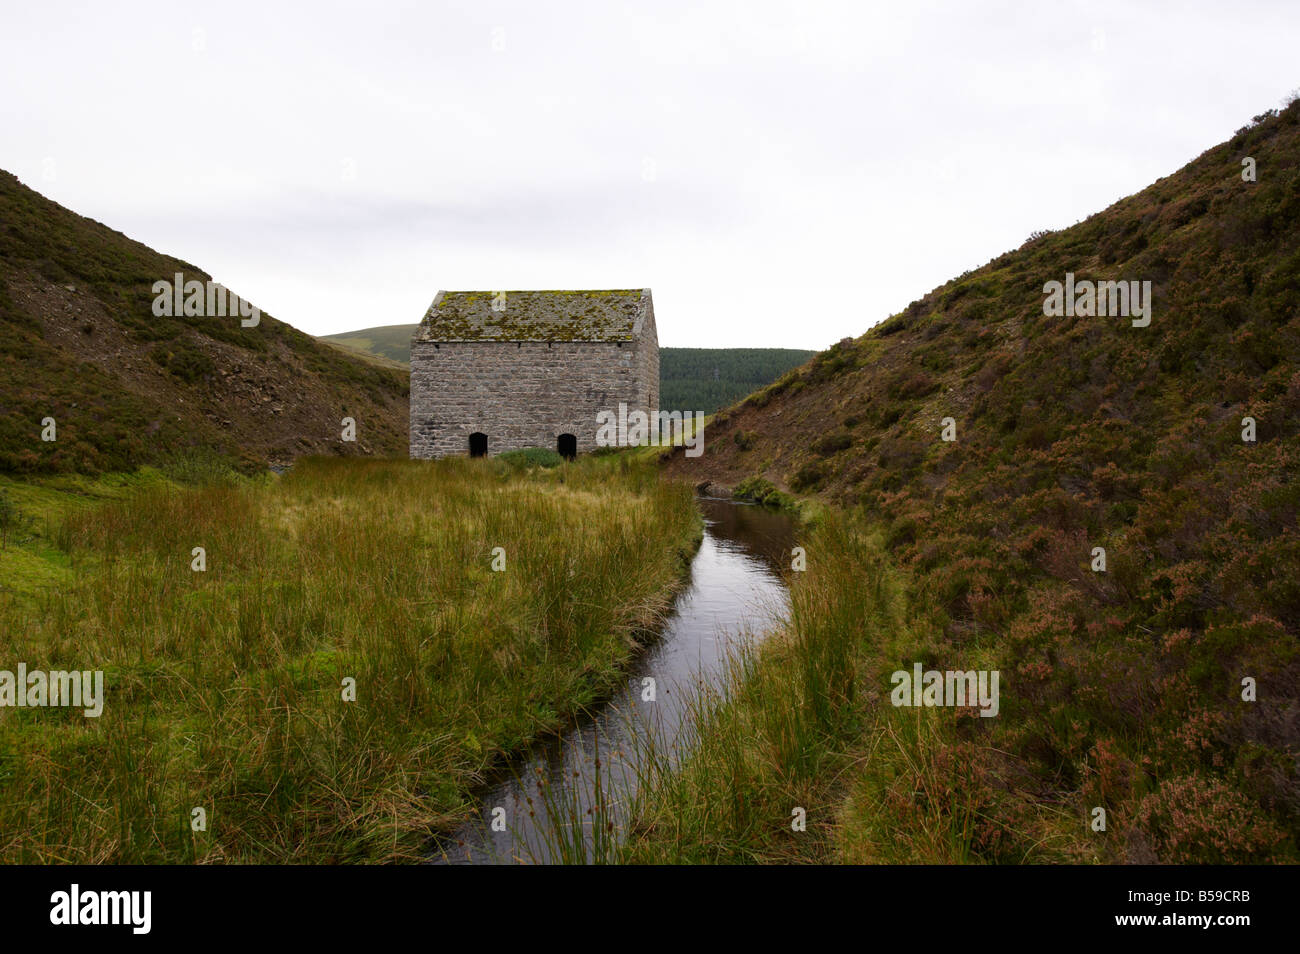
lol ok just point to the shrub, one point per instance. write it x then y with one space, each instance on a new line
832 443
183 360
811 475
1195 820
893 325
753 488
763 491
914 384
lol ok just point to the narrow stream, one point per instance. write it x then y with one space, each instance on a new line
736 594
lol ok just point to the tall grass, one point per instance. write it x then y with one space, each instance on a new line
224 687
804 722
767 735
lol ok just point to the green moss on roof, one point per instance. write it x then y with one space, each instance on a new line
588 315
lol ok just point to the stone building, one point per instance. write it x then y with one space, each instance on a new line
497 371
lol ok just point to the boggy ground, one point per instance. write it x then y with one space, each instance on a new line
225 687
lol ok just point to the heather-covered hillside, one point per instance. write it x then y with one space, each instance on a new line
79 343
1128 688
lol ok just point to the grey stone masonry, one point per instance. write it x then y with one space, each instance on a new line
524 368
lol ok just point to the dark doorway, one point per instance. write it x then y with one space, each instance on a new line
477 445
567 446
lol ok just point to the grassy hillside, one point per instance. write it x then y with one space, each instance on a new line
79 343
690 379
1121 689
389 341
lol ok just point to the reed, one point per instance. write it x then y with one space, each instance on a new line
802 725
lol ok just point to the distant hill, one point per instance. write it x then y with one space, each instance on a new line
1123 681
387 341
690 379
706 379
79 343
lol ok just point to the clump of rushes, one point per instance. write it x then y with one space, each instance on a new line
763 491
774 733
804 721
225 687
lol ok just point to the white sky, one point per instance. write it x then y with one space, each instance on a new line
781 174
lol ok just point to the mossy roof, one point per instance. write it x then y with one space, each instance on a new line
598 315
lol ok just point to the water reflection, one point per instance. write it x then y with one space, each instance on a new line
736 593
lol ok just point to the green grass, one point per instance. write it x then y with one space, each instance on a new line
224 687
804 721
531 457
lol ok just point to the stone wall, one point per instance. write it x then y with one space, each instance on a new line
525 394
648 361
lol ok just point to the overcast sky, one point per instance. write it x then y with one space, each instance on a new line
780 174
